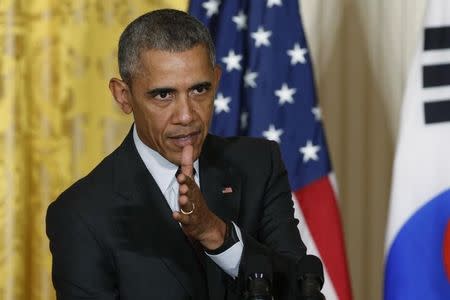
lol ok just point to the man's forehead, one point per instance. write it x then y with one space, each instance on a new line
167 60
143 51
160 68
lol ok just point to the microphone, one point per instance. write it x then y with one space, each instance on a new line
259 278
258 287
310 278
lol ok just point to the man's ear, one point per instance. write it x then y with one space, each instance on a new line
217 75
121 93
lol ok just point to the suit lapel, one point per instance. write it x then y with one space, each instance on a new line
150 224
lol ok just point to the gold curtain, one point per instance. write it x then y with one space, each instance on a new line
57 118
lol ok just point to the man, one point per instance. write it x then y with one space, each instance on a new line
174 212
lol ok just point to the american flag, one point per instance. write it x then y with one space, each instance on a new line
267 90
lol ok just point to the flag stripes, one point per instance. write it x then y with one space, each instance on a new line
319 222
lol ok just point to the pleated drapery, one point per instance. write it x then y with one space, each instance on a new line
57 119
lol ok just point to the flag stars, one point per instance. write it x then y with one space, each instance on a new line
249 78
317 112
212 7
221 103
309 152
261 37
232 61
297 54
271 3
273 134
240 20
285 94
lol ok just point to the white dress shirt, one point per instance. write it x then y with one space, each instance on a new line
163 171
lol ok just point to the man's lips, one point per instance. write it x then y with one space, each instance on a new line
182 140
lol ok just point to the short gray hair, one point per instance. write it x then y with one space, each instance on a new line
164 29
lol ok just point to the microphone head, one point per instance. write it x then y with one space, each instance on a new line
258 287
310 266
259 278
259 264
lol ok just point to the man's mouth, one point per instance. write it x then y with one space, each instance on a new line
182 140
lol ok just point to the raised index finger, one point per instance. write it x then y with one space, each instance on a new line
187 160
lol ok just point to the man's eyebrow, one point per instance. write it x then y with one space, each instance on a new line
205 84
157 91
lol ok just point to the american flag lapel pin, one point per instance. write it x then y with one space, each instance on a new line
227 190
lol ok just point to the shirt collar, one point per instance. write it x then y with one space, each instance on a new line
162 170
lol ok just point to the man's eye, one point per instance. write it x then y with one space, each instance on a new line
200 90
163 95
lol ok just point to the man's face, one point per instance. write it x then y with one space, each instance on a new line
172 99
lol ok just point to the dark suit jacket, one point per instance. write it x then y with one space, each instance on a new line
112 235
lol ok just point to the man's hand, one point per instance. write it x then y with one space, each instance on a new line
201 225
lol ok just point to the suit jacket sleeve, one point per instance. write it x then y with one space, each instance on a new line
80 268
277 242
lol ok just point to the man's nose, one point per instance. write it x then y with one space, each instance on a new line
184 110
